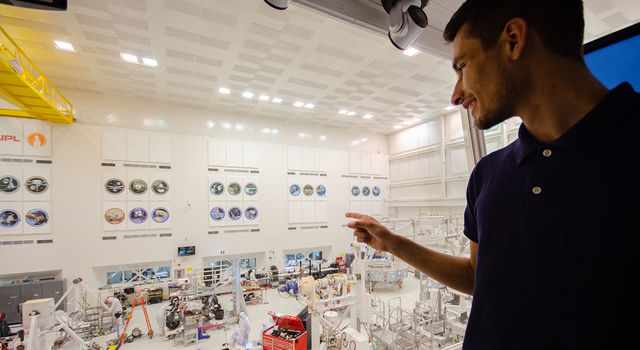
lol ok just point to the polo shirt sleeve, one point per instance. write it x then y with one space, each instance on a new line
470 224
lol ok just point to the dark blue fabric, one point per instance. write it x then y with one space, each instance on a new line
555 270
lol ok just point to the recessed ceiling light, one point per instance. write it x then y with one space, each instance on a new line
449 108
309 105
226 126
224 90
210 124
412 51
298 104
247 94
397 126
343 111
323 138
129 57
274 131
239 127
263 98
266 131
148 61
63 45
351 113
364 139
367 116
415 120
276 100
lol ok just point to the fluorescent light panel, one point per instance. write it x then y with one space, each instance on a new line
224 90
412 51
63 45
129 57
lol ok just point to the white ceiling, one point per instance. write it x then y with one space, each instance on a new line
300 54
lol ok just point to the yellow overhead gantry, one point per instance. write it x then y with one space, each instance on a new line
23 85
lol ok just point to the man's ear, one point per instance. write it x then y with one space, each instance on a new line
514 37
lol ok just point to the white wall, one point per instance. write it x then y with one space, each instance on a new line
77 185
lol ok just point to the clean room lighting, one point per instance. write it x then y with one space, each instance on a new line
351 113
298 104
63 45
226 126
276 100
266 131
449 108
263 98
129 58
412 51
343 111
323 138
367 116
416 120
364 139
224 90
239 127
210 124
397 126
148 61
274 131
247 94
309 105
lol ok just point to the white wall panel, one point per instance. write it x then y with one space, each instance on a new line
159 147
355 162
11 131
453 126
217 153
114 144
456 189
234 153
457 161
320 157
250 155
308 159
137 146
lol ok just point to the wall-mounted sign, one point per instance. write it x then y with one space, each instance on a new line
160 215
114 186
36 184
9 184
366 191
235 213
294 190
138 215
217 188
9 218
234 188
251 213
114 216
36 217
307 190
37 140
355 191
321 190
160 187
251 189
217 213
138 186
376 191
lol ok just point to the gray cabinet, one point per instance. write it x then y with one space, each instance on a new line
12 295
10 301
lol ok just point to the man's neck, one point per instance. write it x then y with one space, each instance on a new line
560 96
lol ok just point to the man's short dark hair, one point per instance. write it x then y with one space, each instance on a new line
559 23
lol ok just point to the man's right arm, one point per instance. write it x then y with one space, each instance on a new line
452 271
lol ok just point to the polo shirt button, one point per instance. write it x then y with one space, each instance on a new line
546 153
536 190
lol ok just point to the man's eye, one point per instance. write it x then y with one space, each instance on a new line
460 67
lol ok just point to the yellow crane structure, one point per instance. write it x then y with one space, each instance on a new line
23 85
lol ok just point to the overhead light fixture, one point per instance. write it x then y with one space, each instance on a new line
416 120
263 98
210 124
239 127
322 138
278 4
406 21
343 111
397 127
266 131
367 116
247 94
449 108
412 51
224 91
150 62
63 45
309 105
226 126
351 113
276 100
129 58
298 104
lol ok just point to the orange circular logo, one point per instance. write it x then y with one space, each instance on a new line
36 140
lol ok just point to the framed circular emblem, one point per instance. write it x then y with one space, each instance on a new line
307 190
375 191
138 215
355 191
9 184
366 191
217 188
114 186
294 190
160 215
217 213
251 213
138 186
9 218
114 216
234 189
36 184
235 213
321 190
36 217
251 189
160 187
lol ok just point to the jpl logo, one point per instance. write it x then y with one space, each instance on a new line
9 138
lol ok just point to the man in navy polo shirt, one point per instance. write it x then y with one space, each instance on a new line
551 216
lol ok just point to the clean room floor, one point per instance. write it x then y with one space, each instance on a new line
409 294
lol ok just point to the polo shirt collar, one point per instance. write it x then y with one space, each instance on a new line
615 105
